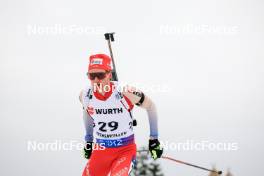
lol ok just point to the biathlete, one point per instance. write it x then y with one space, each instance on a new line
107 114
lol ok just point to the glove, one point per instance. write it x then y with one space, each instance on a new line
155 148
87 150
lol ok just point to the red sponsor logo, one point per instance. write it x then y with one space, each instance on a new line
90 110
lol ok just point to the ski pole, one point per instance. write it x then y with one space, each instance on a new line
192 165
185 163
110 38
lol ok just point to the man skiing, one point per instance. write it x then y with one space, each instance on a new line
107 114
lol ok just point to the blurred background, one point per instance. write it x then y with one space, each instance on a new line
208 55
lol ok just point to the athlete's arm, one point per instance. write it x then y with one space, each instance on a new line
88 122
139 98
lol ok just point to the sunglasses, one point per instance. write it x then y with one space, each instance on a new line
99 75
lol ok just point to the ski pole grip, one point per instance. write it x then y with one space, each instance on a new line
112 37
106 36
109 36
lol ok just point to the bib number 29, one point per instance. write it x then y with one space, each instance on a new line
112 126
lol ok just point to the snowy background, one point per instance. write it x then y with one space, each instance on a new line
210 55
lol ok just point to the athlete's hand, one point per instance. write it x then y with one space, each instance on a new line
87 150
155 148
